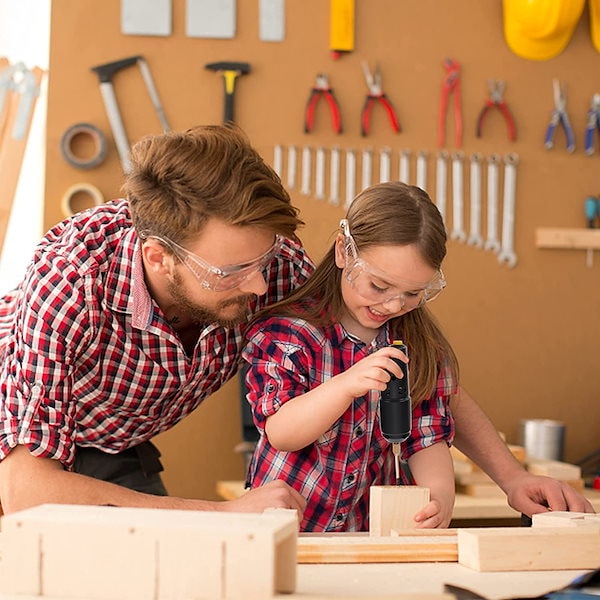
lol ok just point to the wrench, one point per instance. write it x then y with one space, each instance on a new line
507 253
441 181
278 159
422 170
367 167
458 231
305 179
404 174
350 177
334 178
475 238
320 173
291 167
384 165
492 242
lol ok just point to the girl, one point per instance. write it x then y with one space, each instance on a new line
319 360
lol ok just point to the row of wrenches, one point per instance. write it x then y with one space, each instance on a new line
450 168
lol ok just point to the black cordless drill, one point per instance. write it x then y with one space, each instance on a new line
395 410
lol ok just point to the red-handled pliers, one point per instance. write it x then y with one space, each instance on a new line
376 94
496 100
322 89
450 85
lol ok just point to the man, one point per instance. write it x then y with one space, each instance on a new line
131 314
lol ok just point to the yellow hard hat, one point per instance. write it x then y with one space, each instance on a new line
540 29
595 23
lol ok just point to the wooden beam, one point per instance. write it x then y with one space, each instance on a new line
574 239
529 549
393 507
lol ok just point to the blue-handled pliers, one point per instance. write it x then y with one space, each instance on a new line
560 116
593 124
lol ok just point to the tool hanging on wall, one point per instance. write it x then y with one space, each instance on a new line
306 170
350 177
79 136
367 168
292 158
593 124
271 20
105 73
458 230
19 90
404 166
450 86
230 71
213 19
146 17
492 241
321 89
441 183
422 170
278 159
592 214
334 176
496 100
507 251
385 167
475 238
558 117
341 27
320 173
375 95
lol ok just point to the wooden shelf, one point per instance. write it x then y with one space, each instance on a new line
571 239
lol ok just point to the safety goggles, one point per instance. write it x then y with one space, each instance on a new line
379 287
220 279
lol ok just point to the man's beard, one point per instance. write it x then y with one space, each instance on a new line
203 314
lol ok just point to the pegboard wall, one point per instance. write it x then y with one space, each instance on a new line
527 336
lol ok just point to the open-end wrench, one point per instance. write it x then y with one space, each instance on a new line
475 238
350 177
320 173
292 157
367 168
306 171
404 174
458 229
492 243
441 182
334 176
422 169
278 159
507 252
384 164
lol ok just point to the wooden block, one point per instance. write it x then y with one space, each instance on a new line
563 518
554 468
414 545
20 566
462 467
394 507
529 549
152 553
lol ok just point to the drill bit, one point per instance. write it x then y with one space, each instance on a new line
396 452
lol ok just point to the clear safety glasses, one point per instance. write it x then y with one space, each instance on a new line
381 288
220 279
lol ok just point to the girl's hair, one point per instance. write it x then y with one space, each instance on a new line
392 213
179 180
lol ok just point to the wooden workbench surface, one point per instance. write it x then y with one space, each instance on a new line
465 507
372 580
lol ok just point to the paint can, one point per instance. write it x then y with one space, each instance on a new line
543 438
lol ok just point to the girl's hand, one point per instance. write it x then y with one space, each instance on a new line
371 372
436 514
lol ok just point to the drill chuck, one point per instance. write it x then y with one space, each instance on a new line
395 406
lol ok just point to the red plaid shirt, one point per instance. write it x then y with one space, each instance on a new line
289 357
86 355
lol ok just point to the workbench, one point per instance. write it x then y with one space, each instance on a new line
468 510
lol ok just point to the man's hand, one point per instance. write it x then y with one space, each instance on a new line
531 494
275 494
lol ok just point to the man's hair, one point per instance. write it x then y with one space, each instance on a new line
180 180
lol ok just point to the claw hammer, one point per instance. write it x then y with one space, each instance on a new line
105 74
230 72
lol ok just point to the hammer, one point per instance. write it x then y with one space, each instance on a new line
230 71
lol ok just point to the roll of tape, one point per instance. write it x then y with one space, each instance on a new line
78 189
98 139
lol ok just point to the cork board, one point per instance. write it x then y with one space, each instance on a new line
526 337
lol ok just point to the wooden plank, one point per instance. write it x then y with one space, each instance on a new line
529 549
554 468
577 239
394 507
415 545
563 518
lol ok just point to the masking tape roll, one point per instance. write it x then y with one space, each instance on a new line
80 189
83 129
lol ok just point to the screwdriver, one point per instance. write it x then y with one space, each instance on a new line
592 209
395 410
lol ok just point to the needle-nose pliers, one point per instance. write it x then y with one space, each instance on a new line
321 89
